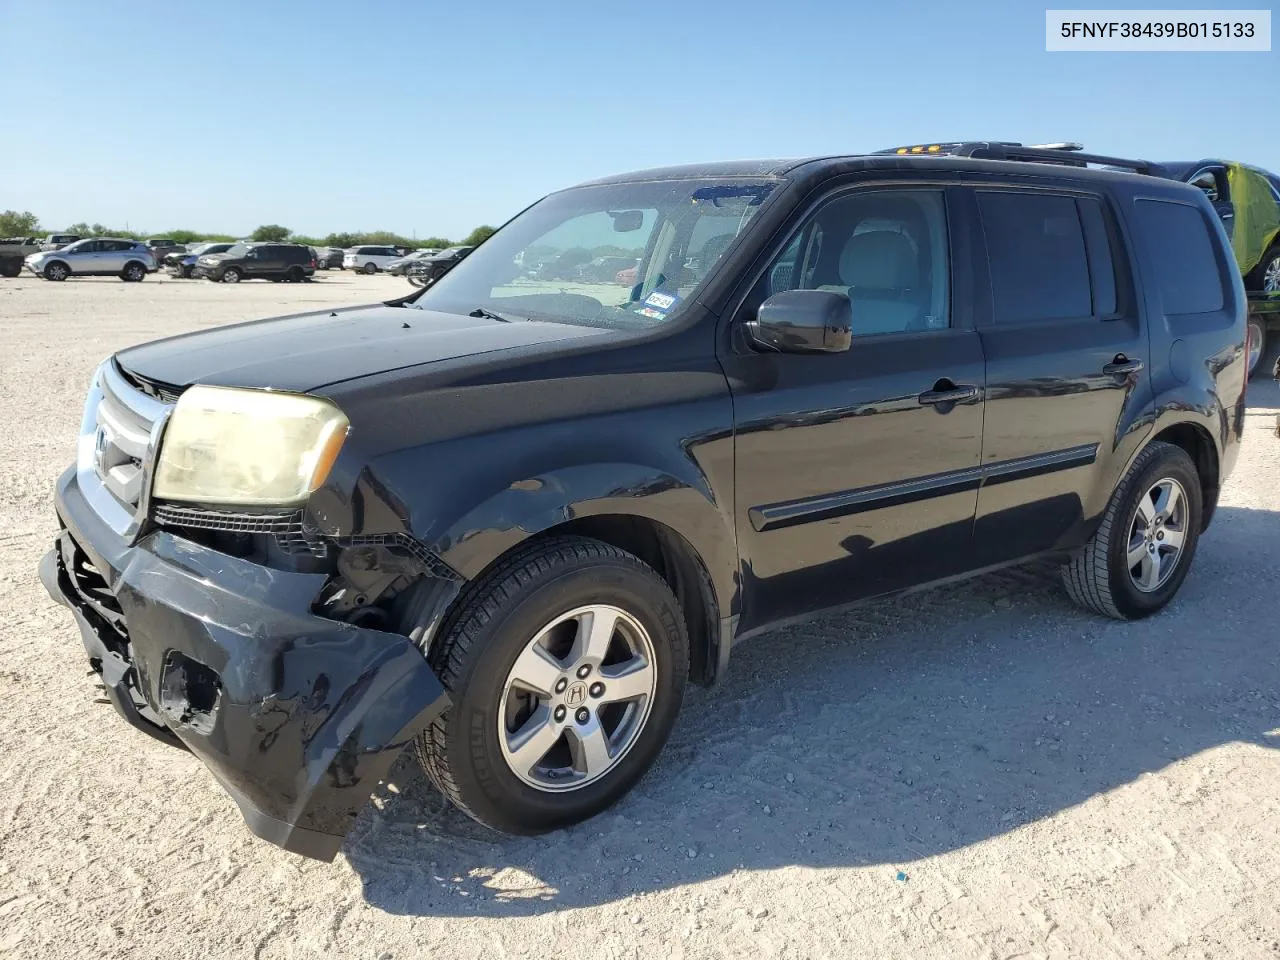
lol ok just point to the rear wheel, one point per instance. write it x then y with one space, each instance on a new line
370 267
133 272
1139 556
231 275
57 271
10 267
566 665
295 275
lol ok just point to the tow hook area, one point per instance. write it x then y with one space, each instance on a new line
190 694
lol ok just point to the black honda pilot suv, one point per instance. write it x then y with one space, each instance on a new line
507 519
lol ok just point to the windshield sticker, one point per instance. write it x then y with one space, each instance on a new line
658 305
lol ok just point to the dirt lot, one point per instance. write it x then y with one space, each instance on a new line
977 771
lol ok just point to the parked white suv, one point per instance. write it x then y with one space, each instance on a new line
96 257
369 259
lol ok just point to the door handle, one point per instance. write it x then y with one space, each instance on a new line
960 394
1122 365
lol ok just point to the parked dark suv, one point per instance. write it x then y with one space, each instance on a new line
267 261
507 522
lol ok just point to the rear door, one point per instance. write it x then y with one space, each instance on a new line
857 472
113 256
1067 365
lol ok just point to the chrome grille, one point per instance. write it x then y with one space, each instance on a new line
120 444
118 438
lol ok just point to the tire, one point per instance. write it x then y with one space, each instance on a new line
1265 277
133 272
370 268
1099 578
232 275
57 270
10 268
295 275
497 619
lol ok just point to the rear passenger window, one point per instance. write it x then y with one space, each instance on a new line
1186 268
1039 268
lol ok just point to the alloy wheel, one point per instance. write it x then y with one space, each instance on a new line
1271 276
1157 534
577 698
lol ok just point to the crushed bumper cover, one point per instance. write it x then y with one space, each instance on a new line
297 716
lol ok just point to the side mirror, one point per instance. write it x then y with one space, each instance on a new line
802 321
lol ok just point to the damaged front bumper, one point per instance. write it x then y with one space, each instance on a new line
297 716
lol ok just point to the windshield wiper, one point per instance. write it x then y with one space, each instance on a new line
488 315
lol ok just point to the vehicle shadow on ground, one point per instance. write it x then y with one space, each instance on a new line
902 729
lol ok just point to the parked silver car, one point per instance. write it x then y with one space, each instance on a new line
97 257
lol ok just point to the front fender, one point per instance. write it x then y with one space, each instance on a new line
491 527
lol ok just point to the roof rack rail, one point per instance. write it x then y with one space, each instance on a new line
1066 153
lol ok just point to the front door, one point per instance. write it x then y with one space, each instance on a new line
857 472
1068 366
86 259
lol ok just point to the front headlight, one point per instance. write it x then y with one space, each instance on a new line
247 447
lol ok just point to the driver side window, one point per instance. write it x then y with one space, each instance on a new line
886 250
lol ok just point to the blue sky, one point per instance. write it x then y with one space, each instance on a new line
435 117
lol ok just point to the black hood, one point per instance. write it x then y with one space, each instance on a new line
313 350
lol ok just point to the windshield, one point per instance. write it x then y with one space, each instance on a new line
237 249
75 247
621 255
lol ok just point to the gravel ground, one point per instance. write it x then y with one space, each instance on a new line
975 771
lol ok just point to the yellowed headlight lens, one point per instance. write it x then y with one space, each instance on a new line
247 447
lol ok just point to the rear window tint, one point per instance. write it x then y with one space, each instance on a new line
1039 269
1177 236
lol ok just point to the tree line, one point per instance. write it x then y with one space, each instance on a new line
25 224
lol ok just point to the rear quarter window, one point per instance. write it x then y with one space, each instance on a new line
1182 252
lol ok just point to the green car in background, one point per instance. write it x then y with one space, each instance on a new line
1248 200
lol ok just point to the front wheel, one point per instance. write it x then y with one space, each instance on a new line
231 275
566 665
56 271
1137 559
